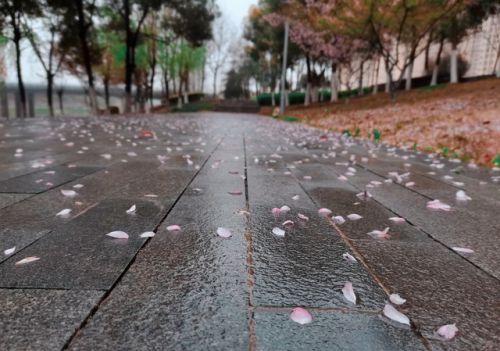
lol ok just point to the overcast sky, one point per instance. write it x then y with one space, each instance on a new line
234 10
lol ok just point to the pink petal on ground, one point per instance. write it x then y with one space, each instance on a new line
301 315
64 213
235 193
396 299
131 210
349 257
397 219
118 235
284 209
288 222
324 211
448 331
307 177
354 217
27 260
224 232
438 205
462 196
147 235
9 251
296 197
278 232
173 228
303 217
463 250
69 193
380 234
339 220
393 314
348 292
276 211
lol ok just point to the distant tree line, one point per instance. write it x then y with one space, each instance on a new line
331 39
129 42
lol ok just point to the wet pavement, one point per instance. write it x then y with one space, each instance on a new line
193 289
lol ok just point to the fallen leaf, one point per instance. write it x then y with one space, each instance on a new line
284 209
288 222
393 314
339 220
303 217
324 211
462 196
118 235
397 219
173 228
438 205
301 315
348 292
235 193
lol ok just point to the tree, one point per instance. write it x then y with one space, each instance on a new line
48 52
218 48
79 45
13 13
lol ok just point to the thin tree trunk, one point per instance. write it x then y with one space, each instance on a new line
20 83
50 85
106 93
152 82
334 82
82 35
375 84
216 70
435 69
60 97
307 99
409 74
360 89
454 64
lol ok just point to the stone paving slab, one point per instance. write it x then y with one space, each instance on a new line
335 331
193 290
42 319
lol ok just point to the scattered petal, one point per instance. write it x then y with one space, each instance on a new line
235 193
131 210
380 234
78 186
301 315
9 251
224 232
296 197
462 196
463 250
339 220
303 217
348 292
174 228
64 213
288 222
393 314
324 211
397 219
284 209
69 193
349 257
438 205
147 235
118 235
278 231
276 211
354 217
396 299
448 331
27 260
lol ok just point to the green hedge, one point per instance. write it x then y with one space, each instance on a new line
192 97
298 97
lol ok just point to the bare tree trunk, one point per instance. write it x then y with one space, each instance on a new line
106 93
409 74
50 85
20 83
334 82
360 89
60 93
454 64
375 84
216 70
307 99
435 69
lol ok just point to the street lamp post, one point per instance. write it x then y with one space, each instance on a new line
283 71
